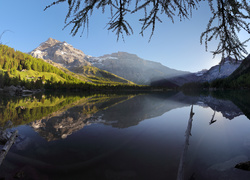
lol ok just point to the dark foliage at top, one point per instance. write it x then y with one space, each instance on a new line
228 17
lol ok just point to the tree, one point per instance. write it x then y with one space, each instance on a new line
38 84
6 79
52 79
6 65
228 18
34 66
43 78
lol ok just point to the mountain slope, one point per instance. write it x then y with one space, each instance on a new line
16 66
240 78
122 67
133 68
98 76
64 55
219 71
61 53
244 68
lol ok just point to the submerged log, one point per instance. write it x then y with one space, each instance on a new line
180 175
7 146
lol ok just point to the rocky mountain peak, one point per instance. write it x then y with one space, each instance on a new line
230 60
133 68
125 55
61 53
49 43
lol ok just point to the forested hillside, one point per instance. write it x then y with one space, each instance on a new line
17 68
240 78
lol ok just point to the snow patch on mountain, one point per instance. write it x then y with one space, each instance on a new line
201 73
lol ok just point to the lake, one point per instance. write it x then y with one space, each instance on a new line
128 136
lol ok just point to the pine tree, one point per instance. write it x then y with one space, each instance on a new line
43 78
228 18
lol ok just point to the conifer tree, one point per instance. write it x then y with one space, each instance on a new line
228 18
43 78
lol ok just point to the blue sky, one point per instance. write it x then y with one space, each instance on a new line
174 45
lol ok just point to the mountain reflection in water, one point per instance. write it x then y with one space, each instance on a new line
128 136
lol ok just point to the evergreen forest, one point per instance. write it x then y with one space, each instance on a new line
18 68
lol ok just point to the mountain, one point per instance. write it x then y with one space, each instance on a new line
61 53
128 66
244 68
164 83
123 66
64 55
240 78
134 68
23 69
219 71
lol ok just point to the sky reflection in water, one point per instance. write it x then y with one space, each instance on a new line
130 137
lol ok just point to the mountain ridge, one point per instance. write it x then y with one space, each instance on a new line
64 55
134 68
127 66
61 53
219 71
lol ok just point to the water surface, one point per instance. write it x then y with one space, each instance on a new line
146 136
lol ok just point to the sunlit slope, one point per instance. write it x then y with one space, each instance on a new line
25 67
65 56
98 76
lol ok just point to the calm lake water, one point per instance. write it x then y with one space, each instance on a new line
128 137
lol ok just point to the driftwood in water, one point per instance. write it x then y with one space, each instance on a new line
5 135
7 146
180 175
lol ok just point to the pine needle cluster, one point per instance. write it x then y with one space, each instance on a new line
228 18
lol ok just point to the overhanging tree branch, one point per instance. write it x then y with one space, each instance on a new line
228 18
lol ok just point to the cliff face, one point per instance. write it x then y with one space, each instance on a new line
61 53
